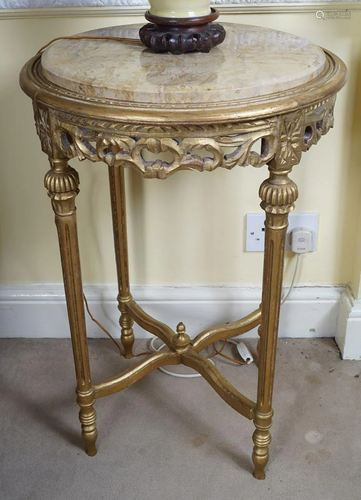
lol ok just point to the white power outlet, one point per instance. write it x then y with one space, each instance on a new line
255 230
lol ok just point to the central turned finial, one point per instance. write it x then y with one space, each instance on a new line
181 341
180 27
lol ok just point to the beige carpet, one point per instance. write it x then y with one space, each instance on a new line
166 438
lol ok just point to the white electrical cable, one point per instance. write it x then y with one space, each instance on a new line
298 260
242 350
195 375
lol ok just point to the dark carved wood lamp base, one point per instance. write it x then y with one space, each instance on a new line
181 35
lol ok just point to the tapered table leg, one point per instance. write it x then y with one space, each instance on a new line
62 184
278 194
117 194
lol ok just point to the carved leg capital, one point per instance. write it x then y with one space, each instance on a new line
62 184
278 194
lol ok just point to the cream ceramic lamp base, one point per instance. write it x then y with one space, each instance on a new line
180 27
185 8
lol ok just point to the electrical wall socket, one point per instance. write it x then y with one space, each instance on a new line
255 230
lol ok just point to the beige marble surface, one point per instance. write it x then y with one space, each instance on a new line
252 62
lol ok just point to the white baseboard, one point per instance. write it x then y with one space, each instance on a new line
348 334
39 311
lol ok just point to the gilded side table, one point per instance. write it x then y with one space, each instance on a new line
107 101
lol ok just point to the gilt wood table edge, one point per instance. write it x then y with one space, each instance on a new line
115 132
329 82
73 123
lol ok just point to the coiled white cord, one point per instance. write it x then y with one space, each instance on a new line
190 375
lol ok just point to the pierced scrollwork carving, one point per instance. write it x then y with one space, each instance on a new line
318 121
243 154
129 151
192 160
282 138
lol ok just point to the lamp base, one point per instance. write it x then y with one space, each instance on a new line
181 35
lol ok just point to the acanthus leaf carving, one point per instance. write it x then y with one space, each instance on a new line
42 124
302 129
289 150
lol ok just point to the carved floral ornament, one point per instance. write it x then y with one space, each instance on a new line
219 145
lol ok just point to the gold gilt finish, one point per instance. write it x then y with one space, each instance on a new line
117 133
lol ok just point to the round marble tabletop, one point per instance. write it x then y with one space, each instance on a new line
255 73
252 62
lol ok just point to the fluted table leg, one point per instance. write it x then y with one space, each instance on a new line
62 184
117 194
278 194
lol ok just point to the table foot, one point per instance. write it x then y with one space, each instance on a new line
259 473
262 440
91 452
87 417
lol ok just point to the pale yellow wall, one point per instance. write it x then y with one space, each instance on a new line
190 228
355 182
